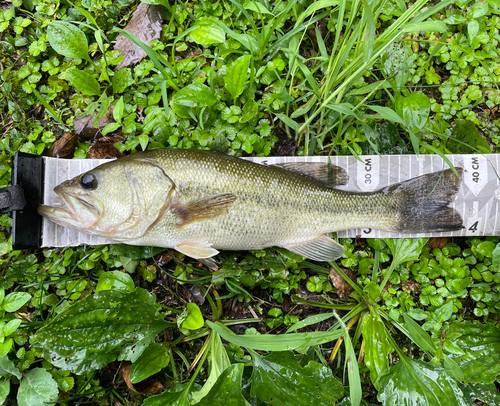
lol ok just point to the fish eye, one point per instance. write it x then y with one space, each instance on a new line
88 181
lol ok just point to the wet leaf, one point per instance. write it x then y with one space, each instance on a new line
192 319
481 344
37 388
83 82
98 329
14 301
416 383
147 387
419 336
175 396
146 24
64 147
237 75
343 288
405 249
227 389
84 127
283 342
68 40
192 96
207 32
278 379
8 367
250 110
116 280
104 151
466 139
152 360
4 390
486 393
414 109
377 347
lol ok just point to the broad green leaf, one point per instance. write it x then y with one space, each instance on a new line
96 330
194 95
486 393
405 249
218 362
6 346
472 30
11 326
237 75
496 257
68 40
257 7
479 9
207 32
249 111
115 279
152 360
227 389
83 82
14 301
453 369
8 367
416 383
278 379
118 110
110 128
466 139
283 342
4 390
419 336
193 319
481 344
377 346
129 264
37 388
444 312
414 109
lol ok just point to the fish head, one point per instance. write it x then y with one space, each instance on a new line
118 200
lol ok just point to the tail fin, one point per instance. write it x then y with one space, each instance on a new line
422 202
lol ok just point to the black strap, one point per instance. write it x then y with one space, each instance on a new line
12 199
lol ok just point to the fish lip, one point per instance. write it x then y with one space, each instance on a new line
72 201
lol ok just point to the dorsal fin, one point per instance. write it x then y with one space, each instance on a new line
325 173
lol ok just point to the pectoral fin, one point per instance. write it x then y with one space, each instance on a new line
202 251
321 249
325 173
203 209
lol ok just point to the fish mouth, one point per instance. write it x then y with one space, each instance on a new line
78 213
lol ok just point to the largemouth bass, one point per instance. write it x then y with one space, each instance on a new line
199 202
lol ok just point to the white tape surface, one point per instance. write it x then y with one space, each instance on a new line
477 201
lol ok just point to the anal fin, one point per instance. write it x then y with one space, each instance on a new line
322 249
203 209
201 251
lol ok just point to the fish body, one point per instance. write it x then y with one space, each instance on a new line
199 202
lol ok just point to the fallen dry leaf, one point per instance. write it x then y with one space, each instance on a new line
64 147
84 127
146 387
104 151
343 288
438 242
145 24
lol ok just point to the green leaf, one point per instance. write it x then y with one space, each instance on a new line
152 360
38 387
110 128
278 379
405 249
453 369
11 326
129 264
8 367
288 121
96 330
472 30
192 96
309 321
144 141
68 40
466 139
444 312
257 7
115 279
419 336
6 346
237 75
496 257
83 82
218 362
416 383
176 396
481 344
283 342
207 32
479 9
134 252
377 346
192 317
4 390
387 113
118 110
414 109
250 110
14 301
227 389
